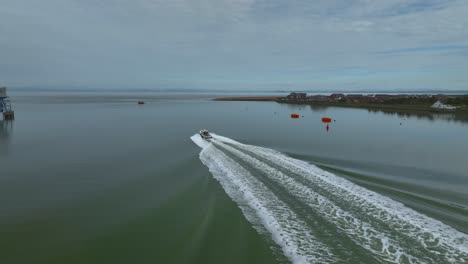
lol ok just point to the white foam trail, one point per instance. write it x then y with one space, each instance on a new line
404 235
199 141
224 139
359 231
262 207
442 241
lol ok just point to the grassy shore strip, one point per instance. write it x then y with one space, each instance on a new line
249 98
394 107
367 106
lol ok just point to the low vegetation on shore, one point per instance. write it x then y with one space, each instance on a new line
413 102
423 102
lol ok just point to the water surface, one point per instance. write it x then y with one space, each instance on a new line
95 178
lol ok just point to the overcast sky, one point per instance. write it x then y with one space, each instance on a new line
237 44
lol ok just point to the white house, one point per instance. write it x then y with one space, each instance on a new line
440 105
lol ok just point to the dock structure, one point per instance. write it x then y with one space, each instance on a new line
5 105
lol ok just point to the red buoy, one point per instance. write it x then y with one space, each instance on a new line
294 115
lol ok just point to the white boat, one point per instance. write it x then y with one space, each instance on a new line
205 134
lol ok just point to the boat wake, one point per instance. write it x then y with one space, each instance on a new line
318 217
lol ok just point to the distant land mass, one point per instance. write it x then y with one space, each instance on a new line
74 88
398 101
367 91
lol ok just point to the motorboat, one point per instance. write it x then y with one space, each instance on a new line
205 134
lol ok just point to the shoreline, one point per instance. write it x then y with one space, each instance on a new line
250 98
396 107
372 106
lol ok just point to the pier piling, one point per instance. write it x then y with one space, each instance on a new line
5 105
10 115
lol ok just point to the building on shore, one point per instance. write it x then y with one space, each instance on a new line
337 97
441 106
440 102
297 96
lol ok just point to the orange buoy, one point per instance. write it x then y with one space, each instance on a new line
294 115
326 119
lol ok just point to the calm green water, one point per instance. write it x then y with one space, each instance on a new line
96 178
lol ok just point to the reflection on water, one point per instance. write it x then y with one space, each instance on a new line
459 116
315 108
6 128
318 108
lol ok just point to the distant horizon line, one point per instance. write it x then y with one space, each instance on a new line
179 90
